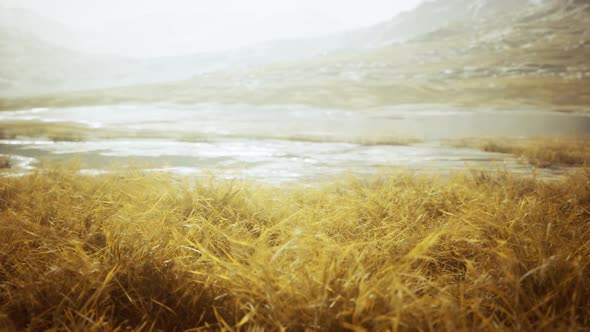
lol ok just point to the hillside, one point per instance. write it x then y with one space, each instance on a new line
536 55
28 23
531 54
30 64
56 51
37 55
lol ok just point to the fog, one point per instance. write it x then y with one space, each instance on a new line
149 28
294 164
343 86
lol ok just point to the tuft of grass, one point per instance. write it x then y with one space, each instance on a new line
4 162
400 252
68 132
541 152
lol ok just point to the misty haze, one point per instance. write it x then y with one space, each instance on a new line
295 165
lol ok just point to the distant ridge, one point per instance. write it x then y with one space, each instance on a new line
437 42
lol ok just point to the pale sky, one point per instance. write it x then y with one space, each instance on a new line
167 27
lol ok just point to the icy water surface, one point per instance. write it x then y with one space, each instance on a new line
281 143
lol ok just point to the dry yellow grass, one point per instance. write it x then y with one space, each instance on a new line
399 252
541 152
4 162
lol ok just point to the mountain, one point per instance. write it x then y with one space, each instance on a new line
491 53
29 23
35 58
30 65
168 33
433 15
427 17
59 64
39 56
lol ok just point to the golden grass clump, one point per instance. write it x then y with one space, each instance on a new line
393 252
4 162
542 152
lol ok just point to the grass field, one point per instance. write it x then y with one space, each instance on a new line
540 151
397 251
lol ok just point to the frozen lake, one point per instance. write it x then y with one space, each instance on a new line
280 143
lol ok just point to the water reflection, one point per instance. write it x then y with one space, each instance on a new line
283 143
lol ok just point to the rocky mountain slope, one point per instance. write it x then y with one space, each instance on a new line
497 52
428 17
533 52
39 55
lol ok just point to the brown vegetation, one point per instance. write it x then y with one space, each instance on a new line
400 252
541 152
4 162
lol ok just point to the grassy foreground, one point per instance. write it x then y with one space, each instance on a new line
398 252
